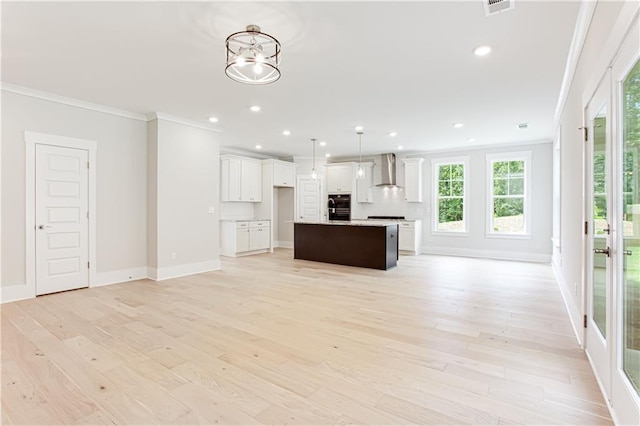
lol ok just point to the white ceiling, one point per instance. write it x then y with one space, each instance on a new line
388 66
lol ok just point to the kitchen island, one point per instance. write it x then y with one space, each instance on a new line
365 244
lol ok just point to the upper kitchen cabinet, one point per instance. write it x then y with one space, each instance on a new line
364 184
340 178
413 179
241 179
284 173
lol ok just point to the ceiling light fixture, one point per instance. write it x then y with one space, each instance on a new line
522 125
482 50
255 108
327 155
253 57
323 143
314 173
393 134
458 125
471 140
359 128
286 132
400 147
213 119
258 146
360 169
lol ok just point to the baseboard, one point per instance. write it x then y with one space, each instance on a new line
159 274
489 254
16 292
120 276
284 244
575 316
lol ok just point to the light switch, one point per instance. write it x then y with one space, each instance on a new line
212 209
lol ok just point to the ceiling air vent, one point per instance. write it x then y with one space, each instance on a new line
491 7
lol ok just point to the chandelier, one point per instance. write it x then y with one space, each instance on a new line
253 57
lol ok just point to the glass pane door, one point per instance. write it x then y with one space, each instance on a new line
631 227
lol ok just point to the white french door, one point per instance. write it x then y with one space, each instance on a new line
625 300
61 218
599 232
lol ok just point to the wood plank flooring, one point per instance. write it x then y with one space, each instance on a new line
272 340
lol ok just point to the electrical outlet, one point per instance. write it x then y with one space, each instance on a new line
212 209
173 256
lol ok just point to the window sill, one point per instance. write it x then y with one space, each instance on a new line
508 236
450 233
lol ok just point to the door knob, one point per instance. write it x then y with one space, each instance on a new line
602 251
43 226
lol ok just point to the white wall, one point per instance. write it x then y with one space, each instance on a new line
121 182
188 184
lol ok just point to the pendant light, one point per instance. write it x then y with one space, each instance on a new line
360 169
314 173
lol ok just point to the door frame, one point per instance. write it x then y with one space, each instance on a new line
32 139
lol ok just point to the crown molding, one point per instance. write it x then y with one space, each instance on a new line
174 119
468 149
12 88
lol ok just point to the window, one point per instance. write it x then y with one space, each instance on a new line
508 189
450 193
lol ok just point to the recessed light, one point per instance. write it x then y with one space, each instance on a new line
255 108
522 125
286 132
323 143
393 134
458 125
482 50
327 155
213 119
471 140
359 128
258 146
400 147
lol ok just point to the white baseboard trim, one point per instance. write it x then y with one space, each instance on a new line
284 244
159 274
488 254
16 292
575 316
120 276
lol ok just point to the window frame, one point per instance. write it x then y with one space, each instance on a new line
435 170
501 157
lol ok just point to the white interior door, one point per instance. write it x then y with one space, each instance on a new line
598 265
61 213
309 202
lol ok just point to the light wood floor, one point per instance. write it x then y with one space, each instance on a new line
438 340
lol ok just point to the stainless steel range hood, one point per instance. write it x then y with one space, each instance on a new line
387 170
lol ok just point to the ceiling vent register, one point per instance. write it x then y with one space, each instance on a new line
492 7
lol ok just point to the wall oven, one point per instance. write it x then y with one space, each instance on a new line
339 207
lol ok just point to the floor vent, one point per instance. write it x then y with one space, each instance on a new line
491 7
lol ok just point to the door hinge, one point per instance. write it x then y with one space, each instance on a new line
586 228
87 215
87 164
584 321
88 265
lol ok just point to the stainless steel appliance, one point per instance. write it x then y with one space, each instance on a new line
339 207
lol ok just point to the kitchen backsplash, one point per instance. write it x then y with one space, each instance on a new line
390 202
238 211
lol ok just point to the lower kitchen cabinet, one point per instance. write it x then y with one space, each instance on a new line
242 237
410 237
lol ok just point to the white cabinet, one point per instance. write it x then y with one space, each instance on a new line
241 179
244 237
410 236
284 174
259 235
340 178
413 179
364 184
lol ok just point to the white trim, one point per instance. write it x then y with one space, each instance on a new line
575 316
509 156
159 274
580 31
16 292
451 233
31 140
435 163
470 149
488 254
12 88
120 276
167 117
